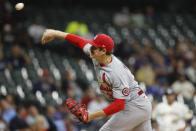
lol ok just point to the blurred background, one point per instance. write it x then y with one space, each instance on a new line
156 39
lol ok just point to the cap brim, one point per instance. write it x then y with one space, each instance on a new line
93 43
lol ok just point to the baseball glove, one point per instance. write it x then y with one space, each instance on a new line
78 109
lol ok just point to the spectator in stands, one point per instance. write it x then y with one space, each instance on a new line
56 118
146 74
150 54
50 114
7 112
61 112
178 67
162 71
18 122
70 77
138 19
18 57
70 126
183 87
88 96
140 59
58 86
70 93
11 101
36 30
191 72
61 118
71 123
186 48
32 113
8 38
178 51
156 90
70 86
169 59
3 126
172 115
33 119
77 27
45 84
122 18
40 122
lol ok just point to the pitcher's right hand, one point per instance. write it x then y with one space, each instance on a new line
48 35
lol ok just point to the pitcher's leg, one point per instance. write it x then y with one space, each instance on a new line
134 114
125 120
145 126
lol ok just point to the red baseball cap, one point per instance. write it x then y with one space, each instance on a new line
103 41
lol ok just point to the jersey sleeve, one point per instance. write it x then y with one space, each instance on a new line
79 42
115 107
86 49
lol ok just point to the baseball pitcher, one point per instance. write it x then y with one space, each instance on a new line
130 108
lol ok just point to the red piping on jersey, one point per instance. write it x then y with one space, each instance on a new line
102 65
103 78
76 40
115 107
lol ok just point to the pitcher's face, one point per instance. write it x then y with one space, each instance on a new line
97 53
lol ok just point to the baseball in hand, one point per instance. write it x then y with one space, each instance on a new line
19 6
